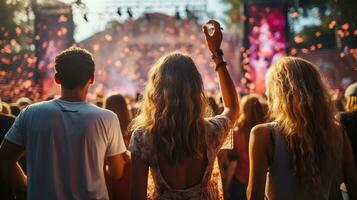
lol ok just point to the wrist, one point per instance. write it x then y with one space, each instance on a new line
220 65
217 53
218 60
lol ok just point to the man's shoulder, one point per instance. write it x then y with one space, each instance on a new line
97 115
101 112
43 106
39 105
88 108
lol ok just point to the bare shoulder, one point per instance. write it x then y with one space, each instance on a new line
261 131
260 137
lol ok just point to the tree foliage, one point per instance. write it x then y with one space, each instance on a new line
15 24
342 12
233 12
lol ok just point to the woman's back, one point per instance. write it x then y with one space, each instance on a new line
241 142
183 175
187 179
305 152
171 126
282 183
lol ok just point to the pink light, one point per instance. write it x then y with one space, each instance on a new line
294 14
96 47
332 24
62 18
13 42
108 37
298 39
345 26
18 31
304 50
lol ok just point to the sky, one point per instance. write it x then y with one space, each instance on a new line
100 12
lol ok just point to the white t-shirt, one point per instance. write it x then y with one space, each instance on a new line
66 144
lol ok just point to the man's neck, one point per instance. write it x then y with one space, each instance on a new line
73 95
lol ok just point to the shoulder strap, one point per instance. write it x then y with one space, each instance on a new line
272 138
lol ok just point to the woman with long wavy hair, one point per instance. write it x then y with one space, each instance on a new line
119 188
251 114
304 151
170 134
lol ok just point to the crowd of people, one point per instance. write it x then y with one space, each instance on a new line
125 52
176 141
123 55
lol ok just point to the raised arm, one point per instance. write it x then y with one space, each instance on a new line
229 94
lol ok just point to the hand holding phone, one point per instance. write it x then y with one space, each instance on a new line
213 33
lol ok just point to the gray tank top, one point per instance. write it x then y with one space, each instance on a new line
282 184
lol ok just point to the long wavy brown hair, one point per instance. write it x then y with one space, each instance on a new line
301 104
173 107
117 103
252 112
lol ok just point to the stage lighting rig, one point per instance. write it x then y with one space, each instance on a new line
85 17
79 4
177 14
147 16
119 12
130 14
190 15
196 9
188 12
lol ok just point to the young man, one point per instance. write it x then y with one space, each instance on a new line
66 140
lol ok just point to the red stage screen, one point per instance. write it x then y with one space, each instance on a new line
267 40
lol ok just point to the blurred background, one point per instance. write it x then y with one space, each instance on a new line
126 37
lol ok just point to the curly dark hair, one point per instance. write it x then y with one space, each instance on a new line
74 66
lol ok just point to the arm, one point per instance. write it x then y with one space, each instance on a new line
139 178
230 173
229 94
349 168
260 151
115 165
115 150
10 154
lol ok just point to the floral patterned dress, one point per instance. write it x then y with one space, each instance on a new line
217 129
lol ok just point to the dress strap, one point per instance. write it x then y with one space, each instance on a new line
272 138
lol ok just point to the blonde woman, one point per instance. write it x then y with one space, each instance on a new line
171 135
304 149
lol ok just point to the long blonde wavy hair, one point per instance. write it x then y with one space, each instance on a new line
173 107
299 101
